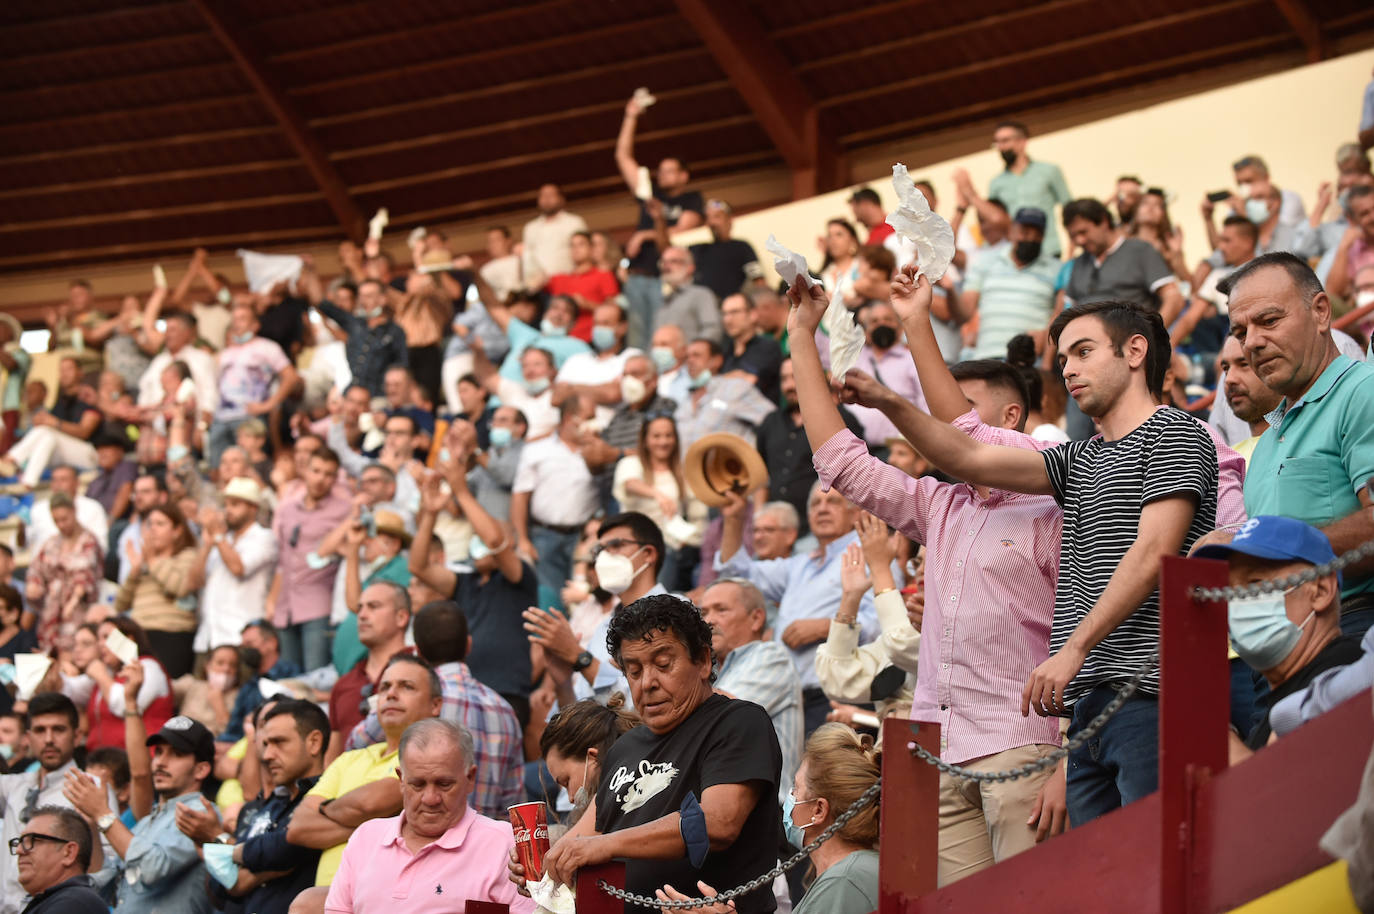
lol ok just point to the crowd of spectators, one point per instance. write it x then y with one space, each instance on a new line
334 572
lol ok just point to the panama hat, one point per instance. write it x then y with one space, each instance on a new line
721 462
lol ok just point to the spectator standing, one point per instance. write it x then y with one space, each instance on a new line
533 393
686 304
234 566
867 208
747 351
585 283
502 269
547 238
260 654
14 371
89 513
64 579
300 596
62 433
639 399
159 588
383 616
669 354
883 357
113 484
255 378
493 472
724 264
526 330
179 345
1314 462
1025 183
374 341
149 491
678 208
1010 291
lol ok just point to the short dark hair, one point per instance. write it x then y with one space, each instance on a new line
997 202
436 687
159 479
586 235
51 703
116 760
1087 208
11 598
71 827
644 529
414 427
326 453
356 386
1304 279
1250 161
308 716
186 317
1247 228
661 612
504 230
995 373
571 406
1021 356
710 344
1123 320
1014 125
441 632
865 195
267 628
553 363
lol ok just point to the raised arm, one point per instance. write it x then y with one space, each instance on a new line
911 297
432 501
820 417
625 145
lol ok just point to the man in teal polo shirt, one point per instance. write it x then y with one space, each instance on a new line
1023 183
1316 458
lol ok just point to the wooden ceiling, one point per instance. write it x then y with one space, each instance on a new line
137 128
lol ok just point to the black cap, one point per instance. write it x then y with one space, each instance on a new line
1030 216
186 736
108 437
865 194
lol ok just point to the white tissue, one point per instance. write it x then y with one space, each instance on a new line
377 224
789 264
644 185
159 276
270 688
846 337
29 670
551 897
266 270
644 98
122 646
927 230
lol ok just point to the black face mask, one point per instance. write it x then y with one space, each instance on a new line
883 336
1008 156
251 657
1027 251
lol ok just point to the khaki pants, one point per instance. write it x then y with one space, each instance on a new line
982 824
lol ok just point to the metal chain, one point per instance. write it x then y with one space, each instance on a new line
865 798
1096 724
1217 594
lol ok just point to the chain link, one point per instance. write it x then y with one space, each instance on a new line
865 798
1259 588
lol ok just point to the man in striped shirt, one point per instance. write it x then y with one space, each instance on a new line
1011 291
992 561
1146 488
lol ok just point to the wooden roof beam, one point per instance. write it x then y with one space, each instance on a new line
765 80
236 40
1305 26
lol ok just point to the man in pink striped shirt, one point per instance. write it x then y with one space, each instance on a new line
992 563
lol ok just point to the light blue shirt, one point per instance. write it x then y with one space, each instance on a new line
762 672
804 588
522 336
161 871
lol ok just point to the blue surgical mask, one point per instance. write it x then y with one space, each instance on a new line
603 338
239 339
1261 631
663 357
224 295
6 751
500 437
549 328
537 386
795 836
699 381
1257 211
444 455
477 549
219 862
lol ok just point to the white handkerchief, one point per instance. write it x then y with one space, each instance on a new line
122 646
914 221
266 270
270 688
789 264
159 276
644 98
416 235
846 337
644 185
377 224
29 670
551 897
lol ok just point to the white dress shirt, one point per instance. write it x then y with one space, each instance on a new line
230 601
89 514
559 483
204 373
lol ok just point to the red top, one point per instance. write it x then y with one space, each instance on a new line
106 728
879 233
595 286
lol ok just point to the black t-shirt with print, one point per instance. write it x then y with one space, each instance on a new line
646 777
646 261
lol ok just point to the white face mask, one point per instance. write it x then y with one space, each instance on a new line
1364 298
632 390
219 681
616 572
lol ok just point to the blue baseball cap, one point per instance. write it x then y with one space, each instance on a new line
1031 216
1276 539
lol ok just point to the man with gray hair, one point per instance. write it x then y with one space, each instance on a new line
438 845
686 304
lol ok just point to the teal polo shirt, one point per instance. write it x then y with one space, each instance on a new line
1318 453
1042 186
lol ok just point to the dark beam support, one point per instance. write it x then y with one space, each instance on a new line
223 22
1305 26
765 80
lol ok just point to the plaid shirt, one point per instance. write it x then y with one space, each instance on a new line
495 733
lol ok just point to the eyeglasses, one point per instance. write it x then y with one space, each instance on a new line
611 545
26 841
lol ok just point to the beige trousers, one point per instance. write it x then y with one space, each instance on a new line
985 823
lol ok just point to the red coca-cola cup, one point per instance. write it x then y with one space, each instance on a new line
530 822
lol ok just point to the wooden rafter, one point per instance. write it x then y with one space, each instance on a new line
768 85
224 23
1305 25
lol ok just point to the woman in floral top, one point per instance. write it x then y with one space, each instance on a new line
63 580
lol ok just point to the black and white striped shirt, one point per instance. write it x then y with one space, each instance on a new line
1103 486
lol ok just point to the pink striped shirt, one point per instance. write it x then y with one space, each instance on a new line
991 569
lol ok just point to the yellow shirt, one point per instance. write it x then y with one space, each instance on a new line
348 772
1246 448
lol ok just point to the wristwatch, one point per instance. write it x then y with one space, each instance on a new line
104 822
583 661
224 838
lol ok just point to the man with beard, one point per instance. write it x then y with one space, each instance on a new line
52 721
1249 398
547 237
748 352
234 565
785 451
162 869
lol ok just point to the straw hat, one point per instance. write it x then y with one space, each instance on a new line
721 462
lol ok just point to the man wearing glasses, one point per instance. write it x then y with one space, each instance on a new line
53 854
52 721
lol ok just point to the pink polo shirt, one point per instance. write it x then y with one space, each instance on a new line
468 862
